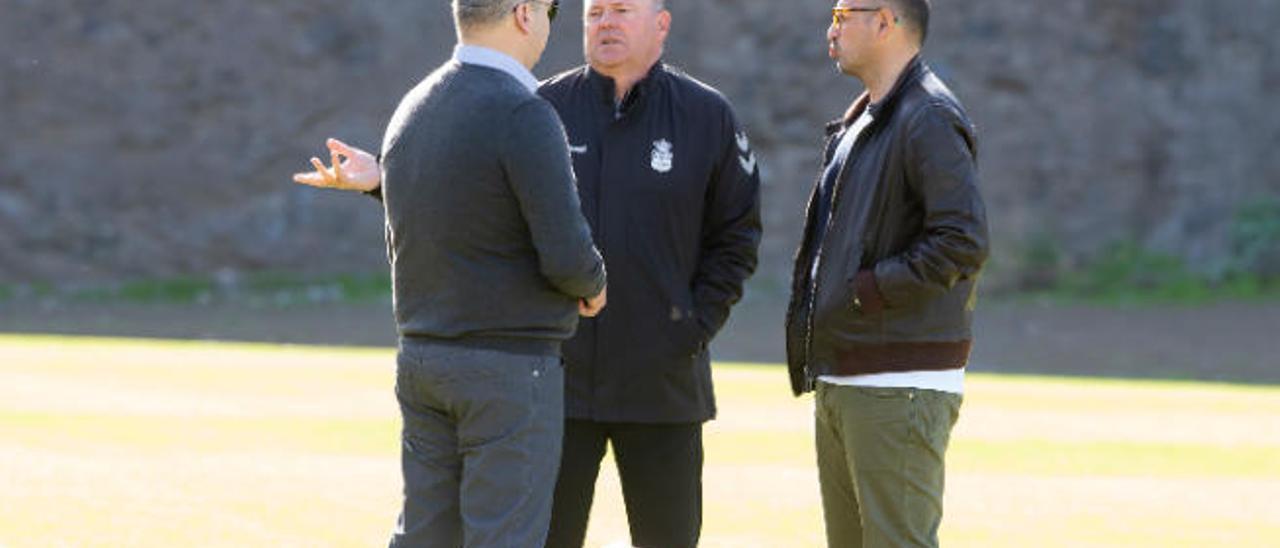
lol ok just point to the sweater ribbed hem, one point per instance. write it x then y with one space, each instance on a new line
529 347
865 358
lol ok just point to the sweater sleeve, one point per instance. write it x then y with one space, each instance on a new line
535 155
376 192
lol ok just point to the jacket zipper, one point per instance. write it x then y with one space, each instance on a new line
836 187
813 284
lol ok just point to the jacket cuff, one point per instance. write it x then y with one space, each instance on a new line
867 292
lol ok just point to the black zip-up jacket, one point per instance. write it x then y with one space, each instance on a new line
669 185
904 247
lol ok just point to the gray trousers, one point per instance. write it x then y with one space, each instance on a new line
480 447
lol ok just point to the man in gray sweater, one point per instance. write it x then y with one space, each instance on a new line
492 262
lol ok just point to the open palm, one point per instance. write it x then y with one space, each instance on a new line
352 169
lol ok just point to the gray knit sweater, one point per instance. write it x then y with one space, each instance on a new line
485 234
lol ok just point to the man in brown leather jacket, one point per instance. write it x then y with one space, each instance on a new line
885 282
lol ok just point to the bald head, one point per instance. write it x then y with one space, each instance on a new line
657 5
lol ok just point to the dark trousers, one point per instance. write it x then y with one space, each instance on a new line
660 466
480 446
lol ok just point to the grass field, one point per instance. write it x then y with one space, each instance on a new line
149 443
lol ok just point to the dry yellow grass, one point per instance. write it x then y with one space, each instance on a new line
149 443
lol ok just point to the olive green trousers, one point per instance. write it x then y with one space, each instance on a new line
881 455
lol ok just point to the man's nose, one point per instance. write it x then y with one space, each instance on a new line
608 18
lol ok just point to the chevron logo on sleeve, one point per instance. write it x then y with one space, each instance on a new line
746 158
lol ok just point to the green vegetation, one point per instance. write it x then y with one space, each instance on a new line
277 288
1122 274
1255 237
1040 262
186 289
1126 273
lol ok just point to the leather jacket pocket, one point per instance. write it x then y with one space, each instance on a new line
837 317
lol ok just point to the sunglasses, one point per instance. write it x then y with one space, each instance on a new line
553 7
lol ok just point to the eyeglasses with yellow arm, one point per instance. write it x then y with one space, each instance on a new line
838 13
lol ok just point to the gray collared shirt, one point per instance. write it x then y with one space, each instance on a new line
494 59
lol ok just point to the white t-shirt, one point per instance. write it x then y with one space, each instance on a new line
950 380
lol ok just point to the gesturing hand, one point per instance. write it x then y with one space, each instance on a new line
353 169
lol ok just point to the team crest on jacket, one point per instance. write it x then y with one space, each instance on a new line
662 156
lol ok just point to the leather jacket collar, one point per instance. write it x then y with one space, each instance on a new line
914 71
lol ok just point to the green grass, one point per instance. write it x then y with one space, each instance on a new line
157 443
177 290
278 288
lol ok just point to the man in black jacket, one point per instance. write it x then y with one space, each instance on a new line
670 187
885 282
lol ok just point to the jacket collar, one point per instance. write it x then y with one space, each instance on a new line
914 71
642 87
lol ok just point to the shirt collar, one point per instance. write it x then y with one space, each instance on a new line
494 59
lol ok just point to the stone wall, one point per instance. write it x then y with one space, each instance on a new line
145 139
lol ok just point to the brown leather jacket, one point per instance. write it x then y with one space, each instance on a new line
905 244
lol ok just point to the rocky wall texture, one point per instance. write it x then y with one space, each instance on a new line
144 138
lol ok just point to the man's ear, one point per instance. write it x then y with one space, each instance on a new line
524 20
884 22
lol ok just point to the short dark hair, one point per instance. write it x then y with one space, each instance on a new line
477 13
914 13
